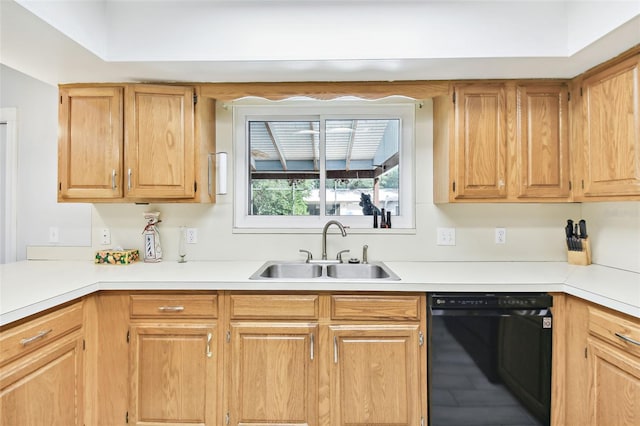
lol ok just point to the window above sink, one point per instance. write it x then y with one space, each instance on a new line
299 163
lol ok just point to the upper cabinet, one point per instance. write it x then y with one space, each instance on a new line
90 143
502 142
542 141
159 140
610 147
479 142
135 143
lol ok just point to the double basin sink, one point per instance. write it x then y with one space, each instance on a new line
373 271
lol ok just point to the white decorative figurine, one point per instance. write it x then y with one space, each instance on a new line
152 249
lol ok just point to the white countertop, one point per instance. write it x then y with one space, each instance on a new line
30 287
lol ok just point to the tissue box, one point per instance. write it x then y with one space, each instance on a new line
117 257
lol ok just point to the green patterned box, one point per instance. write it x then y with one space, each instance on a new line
117 257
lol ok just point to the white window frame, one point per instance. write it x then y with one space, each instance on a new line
321 111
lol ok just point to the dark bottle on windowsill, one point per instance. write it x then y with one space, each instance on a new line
383 220
388 219
375 219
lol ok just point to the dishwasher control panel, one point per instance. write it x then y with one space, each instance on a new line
491 300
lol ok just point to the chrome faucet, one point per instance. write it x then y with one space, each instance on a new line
324 235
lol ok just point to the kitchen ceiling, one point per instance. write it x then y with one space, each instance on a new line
311 40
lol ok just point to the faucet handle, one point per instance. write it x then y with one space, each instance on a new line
309 255
365 250
339 255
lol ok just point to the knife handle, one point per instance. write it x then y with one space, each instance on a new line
583 228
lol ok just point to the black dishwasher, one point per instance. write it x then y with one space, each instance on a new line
489 359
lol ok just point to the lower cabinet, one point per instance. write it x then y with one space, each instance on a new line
326 359
614 384
44 388
173 359
41 370
173 376
603 366
375 375
273 370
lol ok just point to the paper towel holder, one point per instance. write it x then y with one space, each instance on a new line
220 159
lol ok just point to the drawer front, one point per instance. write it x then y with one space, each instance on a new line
274 306
33 334
614 329
174 306
376 307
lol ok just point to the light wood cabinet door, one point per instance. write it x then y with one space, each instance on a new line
159 142
173 374
542 141
90 143
274 374
611 133
375 375
614 384
480 143
44 387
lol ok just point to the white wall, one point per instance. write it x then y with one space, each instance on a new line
534 231
37 208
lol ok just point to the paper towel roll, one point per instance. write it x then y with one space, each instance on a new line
221 172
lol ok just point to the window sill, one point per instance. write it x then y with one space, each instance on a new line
362 231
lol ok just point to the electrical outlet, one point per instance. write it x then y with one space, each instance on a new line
446 236
192 235
105 236
501 235
54 234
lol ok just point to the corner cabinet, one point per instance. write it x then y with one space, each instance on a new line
41 370
603 366
135 143
502 142
611 132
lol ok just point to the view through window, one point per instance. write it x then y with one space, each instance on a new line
322 166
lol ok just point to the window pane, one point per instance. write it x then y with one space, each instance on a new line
284 168
362 166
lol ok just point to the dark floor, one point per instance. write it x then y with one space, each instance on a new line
461 395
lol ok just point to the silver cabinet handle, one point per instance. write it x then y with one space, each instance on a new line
335 349
628 339
129 179
113 179
209 353
171 308
40 335
311 343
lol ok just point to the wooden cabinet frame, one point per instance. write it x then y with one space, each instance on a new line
136 142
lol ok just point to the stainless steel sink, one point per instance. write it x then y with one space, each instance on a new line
288 270
365 271
374 271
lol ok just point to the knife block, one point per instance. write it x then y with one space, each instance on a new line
580 257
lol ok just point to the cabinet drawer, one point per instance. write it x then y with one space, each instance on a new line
33 334
614 329
361 307
270 306
174 306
